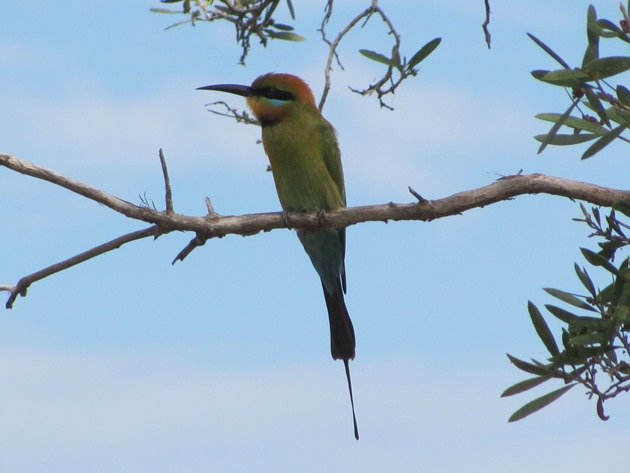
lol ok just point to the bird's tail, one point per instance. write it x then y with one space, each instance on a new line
342 341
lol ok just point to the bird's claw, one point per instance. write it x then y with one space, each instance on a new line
321 216
285 219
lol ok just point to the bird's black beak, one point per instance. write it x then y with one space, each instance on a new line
243 90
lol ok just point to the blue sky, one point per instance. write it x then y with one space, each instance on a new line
221 363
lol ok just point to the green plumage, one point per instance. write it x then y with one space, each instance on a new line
306 166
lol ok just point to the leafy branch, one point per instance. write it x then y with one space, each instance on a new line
589 89
398 69
250 19
595 346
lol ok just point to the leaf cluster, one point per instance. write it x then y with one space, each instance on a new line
604 108
251 18
594 349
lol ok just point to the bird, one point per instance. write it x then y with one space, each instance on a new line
305 161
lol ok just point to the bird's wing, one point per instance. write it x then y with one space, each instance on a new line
332 159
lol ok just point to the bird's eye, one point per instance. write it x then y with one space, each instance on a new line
270 92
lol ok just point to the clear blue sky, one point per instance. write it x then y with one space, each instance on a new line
221 363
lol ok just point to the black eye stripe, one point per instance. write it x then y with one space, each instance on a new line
275 94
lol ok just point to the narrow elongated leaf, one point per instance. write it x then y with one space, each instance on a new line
528 367
587 339
608 66
423 52
585 279
549 51
623 94
284 35
598 260
563 77
566 360
619 115
597 215
592 50
283 27
542 329
538 403
270 10
604 141
374 56
560 313
578 324
525 385
568 298
565 140
609 25
596 105
291 9
574 122
556 126
165 10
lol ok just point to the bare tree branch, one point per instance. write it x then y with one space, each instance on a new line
213 225
23 284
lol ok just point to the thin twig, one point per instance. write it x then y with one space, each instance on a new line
332 54
167 185
486 23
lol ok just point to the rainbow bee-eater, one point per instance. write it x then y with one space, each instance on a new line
306 166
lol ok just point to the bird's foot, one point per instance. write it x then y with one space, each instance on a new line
321 217
285 219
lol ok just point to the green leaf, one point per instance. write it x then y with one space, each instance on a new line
623 95
564 360
609 25
374 56
568 298
578 324
560 313
284 35
165 10
596 215
598 260
539 403
528 367
574 122
542 329
291 9
604 141
556 126
585 279
596 105
524 385
608 66
592 50
549 51
270 10
423 52
591 338
617 114
565 140
563 77
280 26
